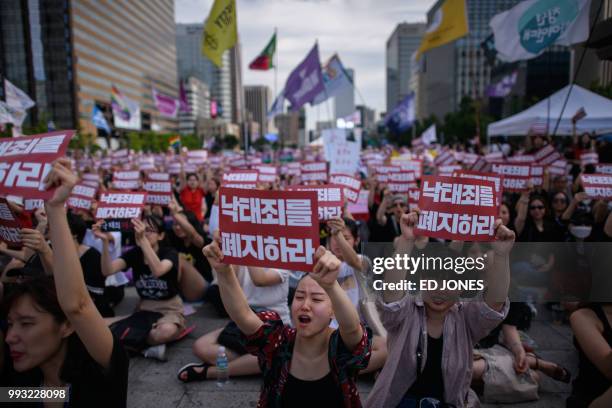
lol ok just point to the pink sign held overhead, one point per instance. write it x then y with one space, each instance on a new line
330 199
598 186
118 205
352 186
26 161
457 208
158 192
274 229
9 226
516 176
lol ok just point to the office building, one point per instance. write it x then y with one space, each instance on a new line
191 63
257 100
292 128
403 42
67 55
237 90
198 98
367 116
344 101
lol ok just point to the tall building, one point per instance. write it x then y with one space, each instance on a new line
597 64
257 100
292 128
67 54
367 116
198 98
403 42
237 99
458 69
191 63
344 101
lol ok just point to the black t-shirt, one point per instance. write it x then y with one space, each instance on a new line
519 315
89 384
430 382
193 253
147 285
92 271
321 393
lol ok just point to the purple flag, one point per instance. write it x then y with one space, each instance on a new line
184 104
306 81
166 105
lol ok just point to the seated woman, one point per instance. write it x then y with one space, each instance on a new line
265 289
503 371
311 364
55 333
155 272
343 241
424 331
593 339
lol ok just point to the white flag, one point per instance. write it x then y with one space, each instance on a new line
527 29
429 135
16 98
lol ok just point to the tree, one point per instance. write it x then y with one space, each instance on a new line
230 142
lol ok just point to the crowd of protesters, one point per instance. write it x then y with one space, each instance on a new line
309 335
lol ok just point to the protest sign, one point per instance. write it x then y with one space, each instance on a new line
267 174
294 169
32 204
412 165
26 161
558 168
9 226
604 168
382 172
496 179
77 202
345 158
352 186
197 156
457 208
494 157
275 229
537 175
119 204
521 158
158 176
329 198
444 158
547 155
126 180
84 191
588 158
158 192
598 186
360 208
246 179
447 171
516 176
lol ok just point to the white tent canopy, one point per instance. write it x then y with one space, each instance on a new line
598 110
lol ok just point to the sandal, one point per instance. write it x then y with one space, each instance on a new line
560 373
192 374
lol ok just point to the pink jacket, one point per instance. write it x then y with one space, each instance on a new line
465 324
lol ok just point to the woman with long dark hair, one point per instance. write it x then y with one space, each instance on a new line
55 335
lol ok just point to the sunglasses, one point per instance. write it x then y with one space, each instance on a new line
536 207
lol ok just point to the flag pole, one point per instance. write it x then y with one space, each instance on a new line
276 63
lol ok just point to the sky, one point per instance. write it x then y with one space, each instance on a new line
356 29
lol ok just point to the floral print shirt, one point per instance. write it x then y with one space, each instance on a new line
273 345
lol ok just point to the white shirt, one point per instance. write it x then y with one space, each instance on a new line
267 297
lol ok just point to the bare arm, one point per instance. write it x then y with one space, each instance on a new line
20 255
521 213
233 297
158 267
569 211
498 276
180 219
107 265
381 213
72 293
348 252
585 327
264 276
35 242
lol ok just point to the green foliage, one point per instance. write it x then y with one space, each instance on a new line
149 141
261 144
230 142
605 91
460 126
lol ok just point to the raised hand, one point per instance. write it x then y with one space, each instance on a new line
139 230
41 216
336 225
63 178
34 240
213 253
581 196
326 269
504 239
98 233
174 207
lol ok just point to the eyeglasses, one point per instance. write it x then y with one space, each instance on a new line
536 207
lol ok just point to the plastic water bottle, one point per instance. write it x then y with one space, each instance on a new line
222 369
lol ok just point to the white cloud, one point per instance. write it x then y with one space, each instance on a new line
356 29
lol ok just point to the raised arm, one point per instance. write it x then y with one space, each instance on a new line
180 219
158 267
498 276
108 266
36 242
351 257
588 331
381 213
233 297
264 276
325 272
608 225
521 212
569 211
72 293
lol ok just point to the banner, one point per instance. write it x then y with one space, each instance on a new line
9 226
529 28
79 203
496 179
445 158
273 229
158 192
604 168
329 198
597 186
447 171
126 180
198 157
448 23
559 168
314 171
588 158
547 155
166 105
33 204
352 186
120 205
220 30
516 176
360 207
457 209
412 165
306 81
26 161
243 179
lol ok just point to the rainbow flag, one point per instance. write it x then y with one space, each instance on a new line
175 142
119 104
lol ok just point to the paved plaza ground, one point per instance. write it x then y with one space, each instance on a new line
154 384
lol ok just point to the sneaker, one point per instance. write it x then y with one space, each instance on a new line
157 352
